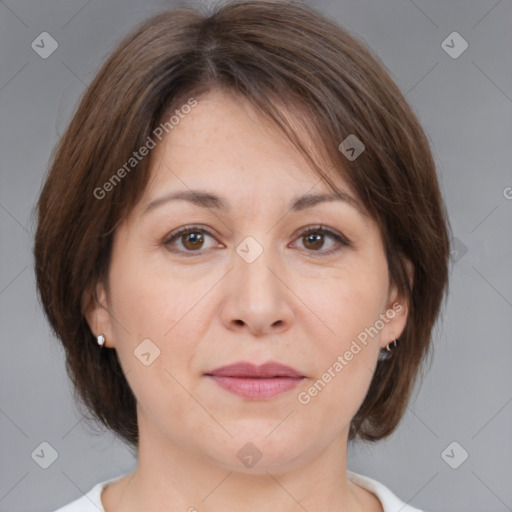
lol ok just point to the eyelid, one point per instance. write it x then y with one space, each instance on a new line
342 240
186 229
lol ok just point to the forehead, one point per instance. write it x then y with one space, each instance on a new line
225 143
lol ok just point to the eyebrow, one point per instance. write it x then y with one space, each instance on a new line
208 200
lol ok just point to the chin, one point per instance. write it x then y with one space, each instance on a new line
252 450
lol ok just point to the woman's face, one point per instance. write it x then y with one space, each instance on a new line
245 284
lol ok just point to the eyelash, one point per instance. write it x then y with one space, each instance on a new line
342 241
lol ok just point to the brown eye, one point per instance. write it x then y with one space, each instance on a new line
188 240
192 240
314 240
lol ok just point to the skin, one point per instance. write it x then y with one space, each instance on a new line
294 304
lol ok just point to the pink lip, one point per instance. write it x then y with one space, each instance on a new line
256 382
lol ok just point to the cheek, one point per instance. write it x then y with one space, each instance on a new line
348 302
348 306
149 303
139 311
144 299
344 361
154 338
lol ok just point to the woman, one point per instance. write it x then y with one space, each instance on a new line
241 220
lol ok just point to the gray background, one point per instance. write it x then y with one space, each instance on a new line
465 106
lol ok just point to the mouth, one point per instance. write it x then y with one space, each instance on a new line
256 382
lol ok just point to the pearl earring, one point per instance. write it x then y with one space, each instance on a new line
101 340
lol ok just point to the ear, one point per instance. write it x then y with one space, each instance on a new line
96 311
397 309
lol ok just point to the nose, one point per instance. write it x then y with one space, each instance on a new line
258 299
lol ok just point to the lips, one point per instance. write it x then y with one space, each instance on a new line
256 382
248 370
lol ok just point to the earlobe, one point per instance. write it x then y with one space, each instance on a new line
397 309
396 319
95 311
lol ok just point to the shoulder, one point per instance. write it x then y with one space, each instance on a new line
90 501
389 502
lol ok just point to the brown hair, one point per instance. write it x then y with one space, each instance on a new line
276 54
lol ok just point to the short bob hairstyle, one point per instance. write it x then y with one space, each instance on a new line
285 58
